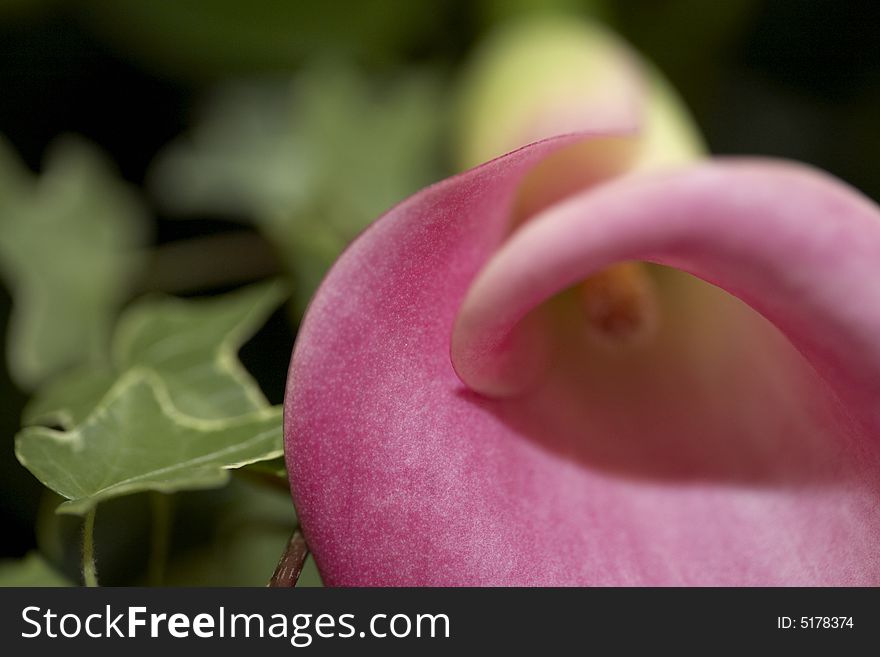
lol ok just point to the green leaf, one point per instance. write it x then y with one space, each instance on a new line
69 247
311 162
174 411
30 571
269 471
137 440
67 399
190 345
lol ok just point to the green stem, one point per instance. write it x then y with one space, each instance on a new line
160 537
90 573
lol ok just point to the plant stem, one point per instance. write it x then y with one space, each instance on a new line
90 573
160 536
291 564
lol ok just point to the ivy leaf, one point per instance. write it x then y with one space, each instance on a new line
137 440
174 410
271 471
67 399
69 245
311 161
191 347
32 570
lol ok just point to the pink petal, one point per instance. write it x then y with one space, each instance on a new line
798 246
723 460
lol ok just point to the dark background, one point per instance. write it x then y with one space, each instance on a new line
791 78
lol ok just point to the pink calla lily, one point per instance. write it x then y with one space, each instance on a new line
463 409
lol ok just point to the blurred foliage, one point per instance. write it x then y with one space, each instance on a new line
31 570
69 247
247 540
231 536
311 161
211 37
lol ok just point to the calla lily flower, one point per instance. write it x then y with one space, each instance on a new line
599 359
